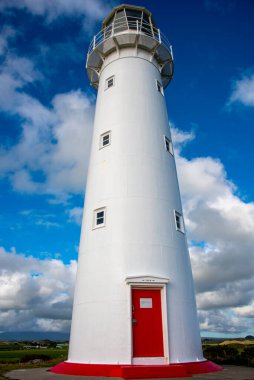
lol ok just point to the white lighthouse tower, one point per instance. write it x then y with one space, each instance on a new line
134 313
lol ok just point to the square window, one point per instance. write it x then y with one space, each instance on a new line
168 145
99 217
159 87
105 139
179 222
110 82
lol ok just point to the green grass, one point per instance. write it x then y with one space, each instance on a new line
8 346
14 356
233 353
10 360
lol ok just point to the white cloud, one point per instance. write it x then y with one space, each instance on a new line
223 322
15 74
47 223
89 10
35 218
7 33
243 91
51 155
68 161
220 227
75 215
246 311
35 294
181 138
52 151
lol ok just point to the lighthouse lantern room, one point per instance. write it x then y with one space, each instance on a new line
134 312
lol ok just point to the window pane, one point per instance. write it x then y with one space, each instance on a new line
133 13
146 27
100 214
120 14
99 218
105 140
120 23
145 17
168 145
179 222
133 17
110 82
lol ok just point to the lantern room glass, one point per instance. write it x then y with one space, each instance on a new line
127 19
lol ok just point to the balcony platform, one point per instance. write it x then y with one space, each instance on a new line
180 370
130 34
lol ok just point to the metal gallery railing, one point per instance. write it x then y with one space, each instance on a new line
127 25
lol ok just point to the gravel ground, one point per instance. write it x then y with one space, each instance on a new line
230 372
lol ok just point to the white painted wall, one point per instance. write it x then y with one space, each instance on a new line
135 179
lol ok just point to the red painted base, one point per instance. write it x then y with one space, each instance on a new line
136 371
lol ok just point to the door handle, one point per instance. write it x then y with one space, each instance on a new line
134 321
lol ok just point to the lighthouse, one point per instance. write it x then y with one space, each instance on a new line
134 312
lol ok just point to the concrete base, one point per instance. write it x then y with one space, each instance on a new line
136 371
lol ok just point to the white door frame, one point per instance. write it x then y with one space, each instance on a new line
148 282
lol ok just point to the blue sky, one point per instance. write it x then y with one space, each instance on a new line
46 115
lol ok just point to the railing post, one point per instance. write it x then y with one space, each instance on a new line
137 25
113 27
159 35
94 41
171 51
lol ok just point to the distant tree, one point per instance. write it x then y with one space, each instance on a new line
52 344
222 354
247 355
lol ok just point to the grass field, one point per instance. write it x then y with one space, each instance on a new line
16 356
12 359
234 341
234 352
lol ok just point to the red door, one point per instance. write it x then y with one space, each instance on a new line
147 323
